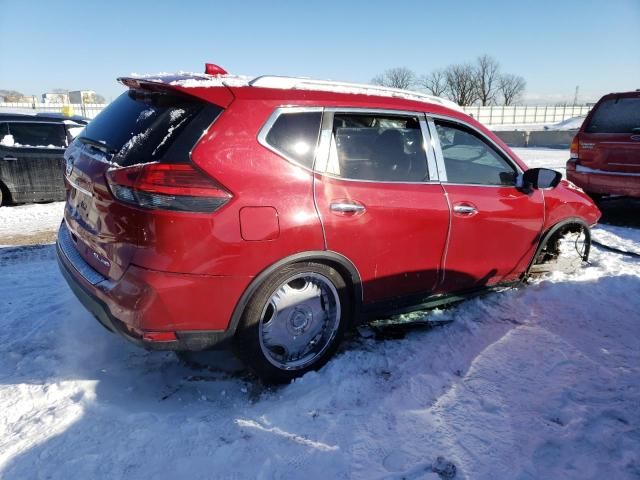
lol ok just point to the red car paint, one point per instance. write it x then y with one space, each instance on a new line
170 273
606 158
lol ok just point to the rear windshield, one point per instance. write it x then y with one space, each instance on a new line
616 115
141 127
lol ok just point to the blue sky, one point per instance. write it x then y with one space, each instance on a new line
554 45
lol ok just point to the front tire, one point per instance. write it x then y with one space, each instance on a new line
294 322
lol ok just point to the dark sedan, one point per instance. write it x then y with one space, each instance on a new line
31 155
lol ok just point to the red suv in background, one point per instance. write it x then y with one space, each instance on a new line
274 213
605 153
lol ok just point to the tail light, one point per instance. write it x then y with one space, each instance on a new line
574 152
179 187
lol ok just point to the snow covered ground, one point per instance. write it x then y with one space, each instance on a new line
39 220
544 157
539 382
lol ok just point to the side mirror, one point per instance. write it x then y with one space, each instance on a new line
540 178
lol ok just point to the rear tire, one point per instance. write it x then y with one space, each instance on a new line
294 322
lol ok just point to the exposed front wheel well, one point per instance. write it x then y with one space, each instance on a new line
550 247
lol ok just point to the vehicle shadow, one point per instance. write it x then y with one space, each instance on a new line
620 211
111 410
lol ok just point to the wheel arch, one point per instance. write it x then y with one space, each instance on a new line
342 264
557 227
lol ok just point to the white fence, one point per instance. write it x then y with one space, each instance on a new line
88 110
494 115
525 114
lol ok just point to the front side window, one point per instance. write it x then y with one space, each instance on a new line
295 135
469 159
385 148
36 135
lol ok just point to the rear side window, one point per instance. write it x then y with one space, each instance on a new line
37 135
616 115
142 127
378 148
469 159
295 135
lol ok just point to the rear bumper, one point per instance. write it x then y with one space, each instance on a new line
145 302
598 181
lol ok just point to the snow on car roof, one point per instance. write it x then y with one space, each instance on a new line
194 80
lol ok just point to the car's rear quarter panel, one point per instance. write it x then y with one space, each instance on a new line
256 177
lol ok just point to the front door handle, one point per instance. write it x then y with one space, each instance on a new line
10 159
465 209
346 207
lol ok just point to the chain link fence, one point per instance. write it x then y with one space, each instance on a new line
89 110
525 114
493 115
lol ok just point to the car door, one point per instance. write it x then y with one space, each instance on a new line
495 227
380 203
36 165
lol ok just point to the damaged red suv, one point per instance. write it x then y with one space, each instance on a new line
273 214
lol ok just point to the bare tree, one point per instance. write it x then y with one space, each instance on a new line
399 77
487 79
461 84
435 83
511 88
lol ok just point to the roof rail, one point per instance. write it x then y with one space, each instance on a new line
275 81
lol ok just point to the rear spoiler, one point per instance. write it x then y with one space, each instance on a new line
205 87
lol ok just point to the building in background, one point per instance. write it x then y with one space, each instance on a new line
55 97
85 96
18 98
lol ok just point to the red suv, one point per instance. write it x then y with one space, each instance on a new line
605 153
275 213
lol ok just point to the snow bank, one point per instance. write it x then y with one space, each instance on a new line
553 158
569 124
29 219
541 382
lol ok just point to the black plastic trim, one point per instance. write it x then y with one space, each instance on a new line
400 305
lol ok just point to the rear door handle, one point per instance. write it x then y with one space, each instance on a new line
346 207
465 209
10 159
